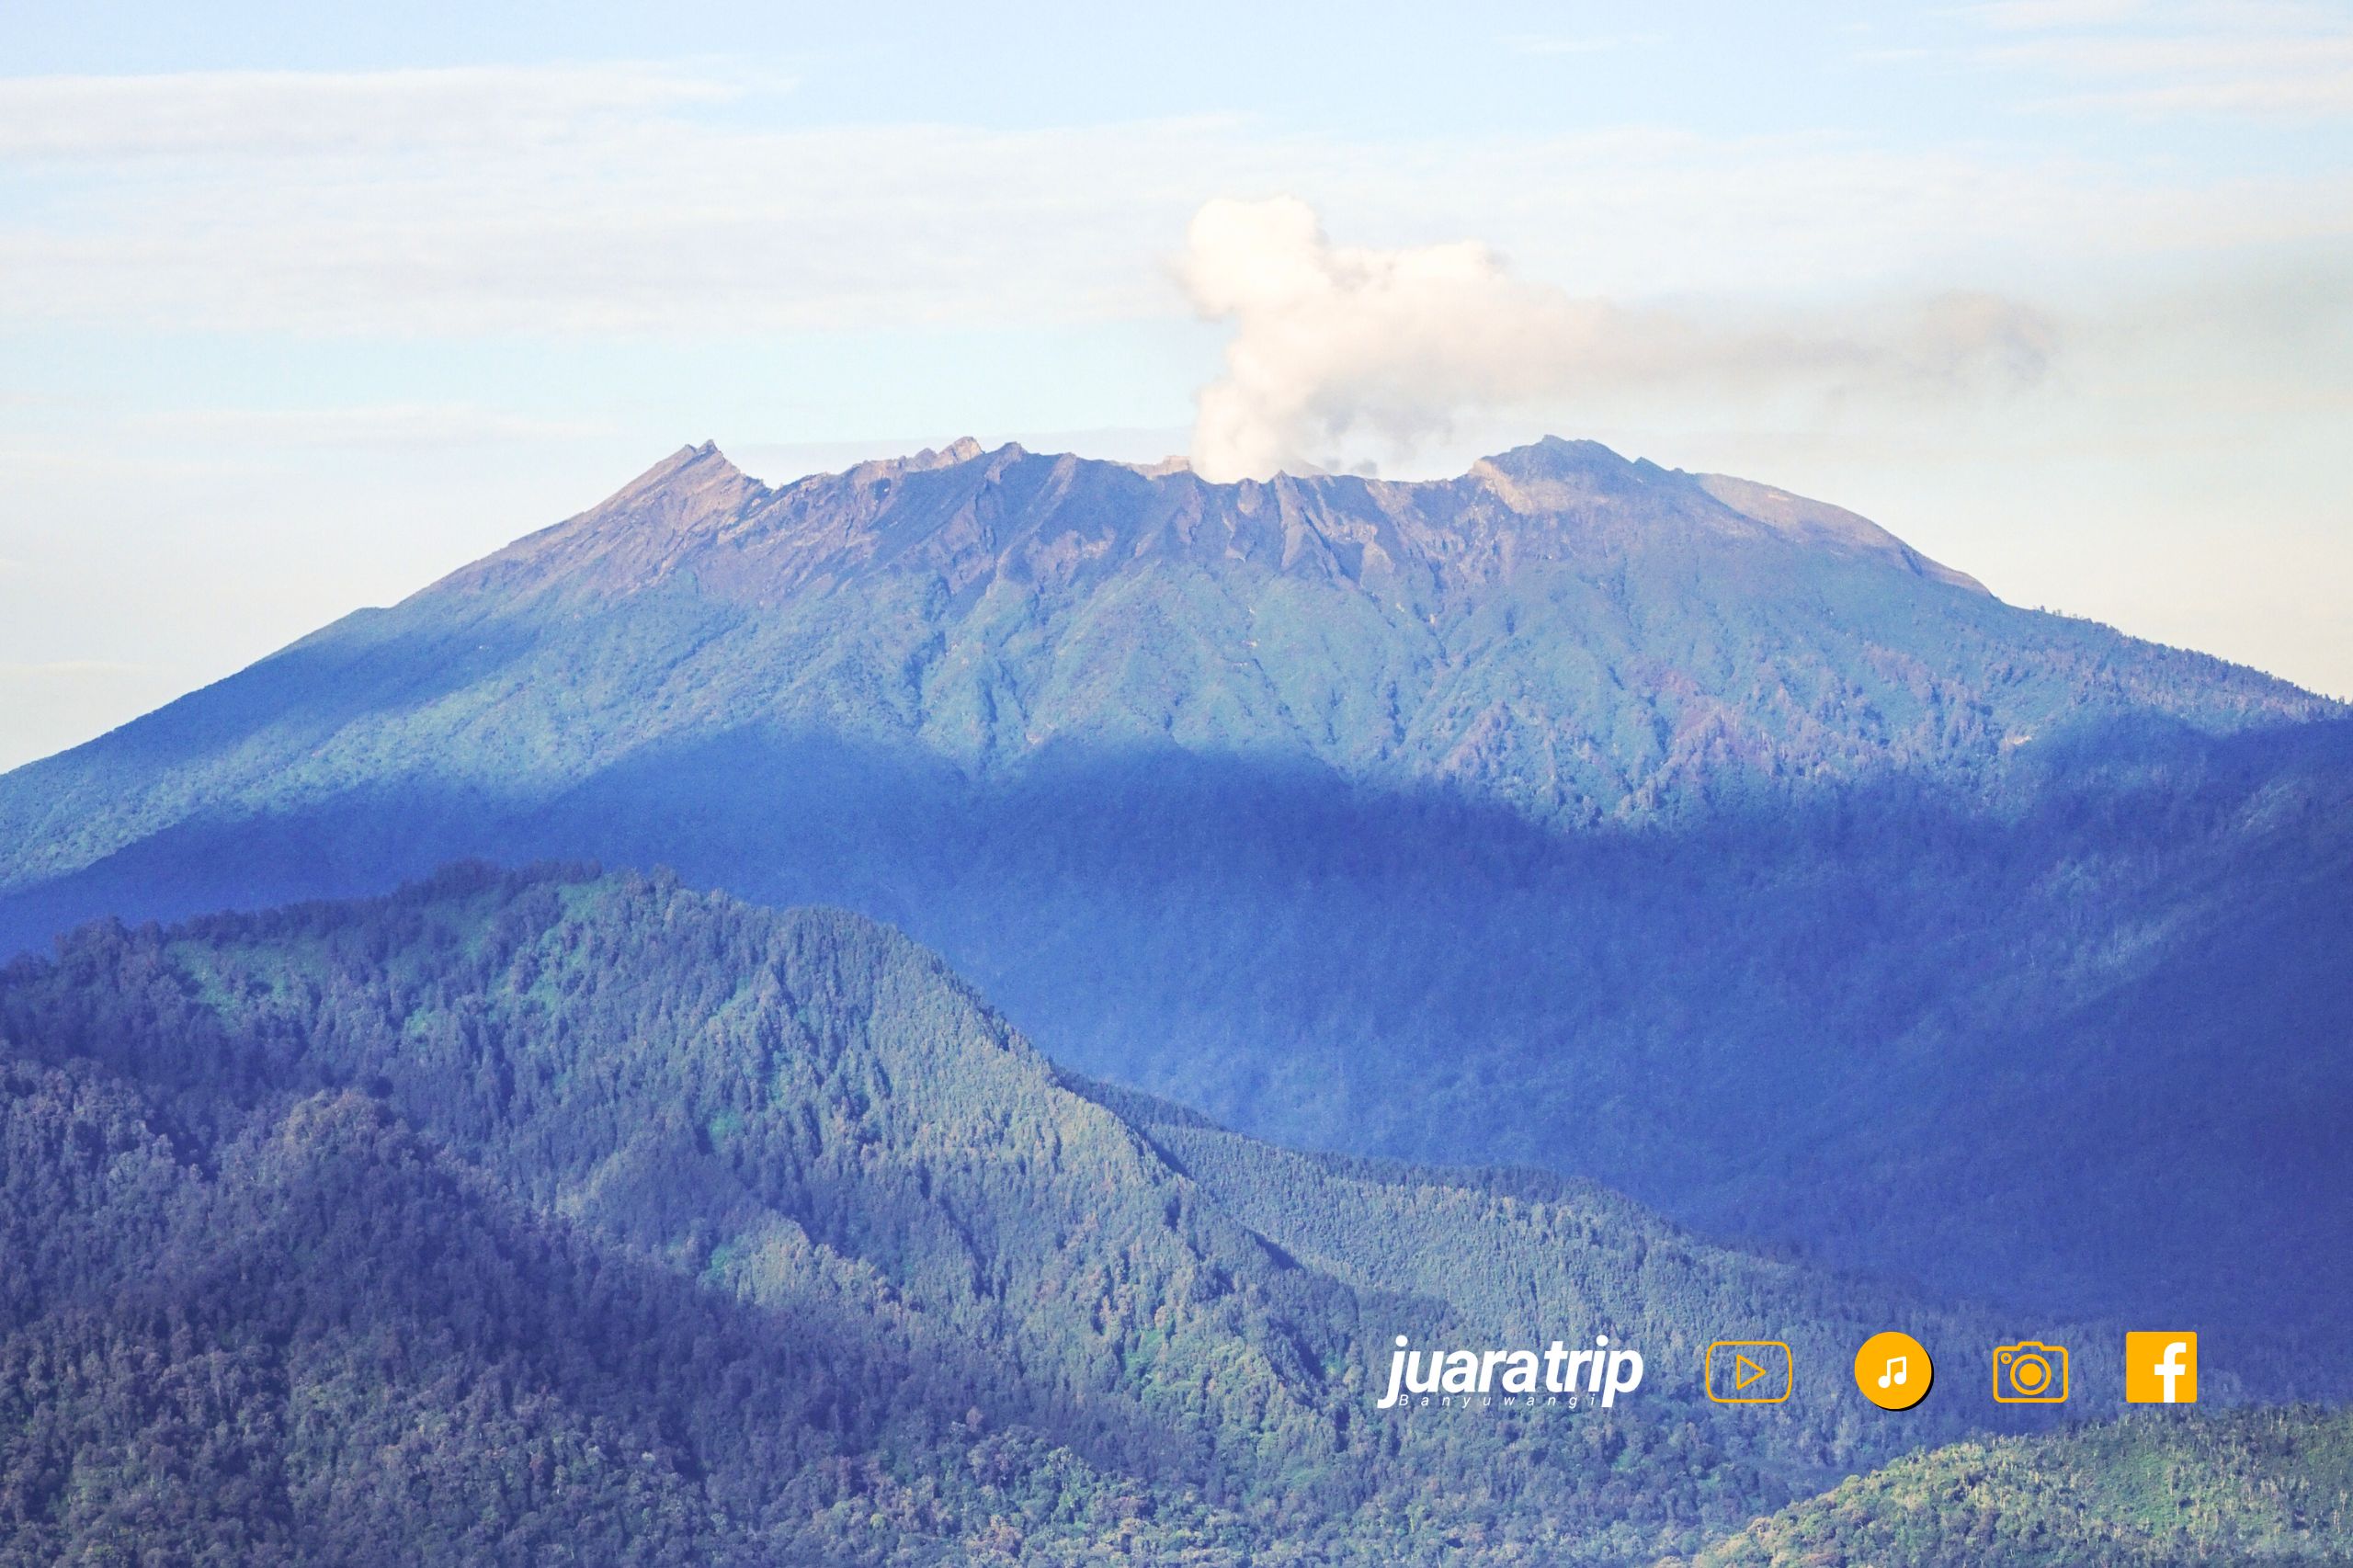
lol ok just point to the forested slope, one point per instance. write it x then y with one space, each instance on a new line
2155 1490
1648 826
515 1203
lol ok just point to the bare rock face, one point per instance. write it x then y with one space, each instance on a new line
977 515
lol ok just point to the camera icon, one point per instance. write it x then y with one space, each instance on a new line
2030 1373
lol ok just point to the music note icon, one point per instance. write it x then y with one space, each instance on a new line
1894 1370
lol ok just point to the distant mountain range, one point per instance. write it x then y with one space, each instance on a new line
546 1215
1660 828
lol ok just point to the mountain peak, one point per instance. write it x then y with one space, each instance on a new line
971 515
962 450
1554 455
635 535
1819 523
689 484
1554 475
697 465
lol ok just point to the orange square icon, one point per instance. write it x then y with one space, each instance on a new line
1749 1372
2161 1369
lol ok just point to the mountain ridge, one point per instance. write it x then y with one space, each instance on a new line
1442 855
771 1193
1599 663
696 495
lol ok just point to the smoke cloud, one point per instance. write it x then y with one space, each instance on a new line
1339 350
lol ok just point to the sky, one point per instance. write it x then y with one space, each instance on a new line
300 310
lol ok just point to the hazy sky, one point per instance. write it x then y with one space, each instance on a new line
299 311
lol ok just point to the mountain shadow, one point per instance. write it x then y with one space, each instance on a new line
1658 827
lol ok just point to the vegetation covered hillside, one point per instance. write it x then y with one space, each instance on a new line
515 1212
2271 1486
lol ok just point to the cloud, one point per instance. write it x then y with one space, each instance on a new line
651 201
287 114
1335 350
384 426
1579 43
635 198
70 669
2261 60
2029 16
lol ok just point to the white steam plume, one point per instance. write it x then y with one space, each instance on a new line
1336 347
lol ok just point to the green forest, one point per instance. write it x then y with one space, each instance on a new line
560 1217
2272 1487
